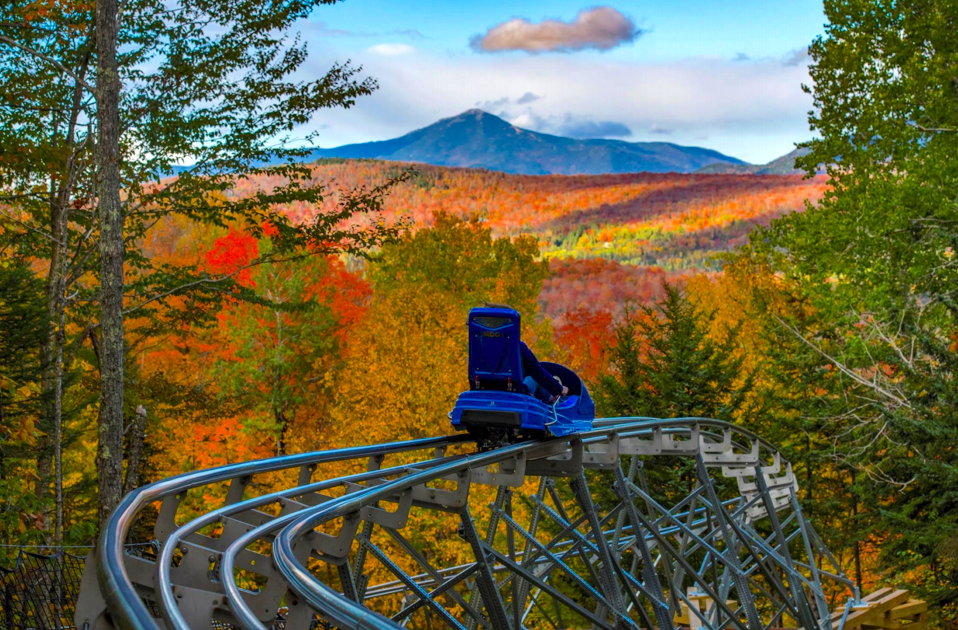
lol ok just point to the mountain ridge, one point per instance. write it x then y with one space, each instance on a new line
784 165
478 139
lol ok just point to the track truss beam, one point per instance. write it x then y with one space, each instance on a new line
575 533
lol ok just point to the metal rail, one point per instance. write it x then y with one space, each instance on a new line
588 541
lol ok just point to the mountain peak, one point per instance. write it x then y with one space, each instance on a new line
474 116
475 138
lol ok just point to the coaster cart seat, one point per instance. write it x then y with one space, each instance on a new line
498 406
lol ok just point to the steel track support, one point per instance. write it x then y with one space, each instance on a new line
511 544
533 530
360 579
583 546
346 579
739 571
689 520
566 521
411 584
474 593
556 560
666 565
433 573
823 612
409 609
806 617
485 580
666 546
741 583
620 519
649 575
607 579
552 591
545 615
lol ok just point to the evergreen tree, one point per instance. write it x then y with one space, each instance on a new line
664 365
22 330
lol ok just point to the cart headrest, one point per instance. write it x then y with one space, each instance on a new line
494 359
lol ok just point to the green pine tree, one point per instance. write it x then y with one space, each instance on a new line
22 329
664 365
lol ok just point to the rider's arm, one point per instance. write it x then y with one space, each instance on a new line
532 367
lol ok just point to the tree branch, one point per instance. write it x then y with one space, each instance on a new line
50 237
842 368
48 59
223 278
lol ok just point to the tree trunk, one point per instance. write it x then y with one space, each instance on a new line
48 362
51 353
109 456
135 450
58 432
283 424
855 524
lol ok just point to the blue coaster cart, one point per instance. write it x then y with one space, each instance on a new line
498 406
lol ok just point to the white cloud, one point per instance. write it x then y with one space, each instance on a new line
391 50
493 106
796 57
754 111
598 28
322 29
570 125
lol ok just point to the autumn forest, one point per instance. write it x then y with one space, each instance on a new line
256 305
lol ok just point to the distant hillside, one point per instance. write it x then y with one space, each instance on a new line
478 139
642 227
784 165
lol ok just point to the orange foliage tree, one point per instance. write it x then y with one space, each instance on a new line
258 376
407 362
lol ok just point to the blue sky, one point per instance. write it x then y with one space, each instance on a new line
725 75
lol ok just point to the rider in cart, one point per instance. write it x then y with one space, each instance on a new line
538 381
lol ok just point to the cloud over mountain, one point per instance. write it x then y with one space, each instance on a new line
598 28
571 125
753 110
594 129
476 138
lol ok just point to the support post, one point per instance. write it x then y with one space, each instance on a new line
485 580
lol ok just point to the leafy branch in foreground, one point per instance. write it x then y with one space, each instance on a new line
91 123
875 262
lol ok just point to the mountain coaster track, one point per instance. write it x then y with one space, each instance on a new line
573 535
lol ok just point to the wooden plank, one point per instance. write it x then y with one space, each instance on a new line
893 599
837 615
867 599
858 617
910 608
876 595
883 608
886 609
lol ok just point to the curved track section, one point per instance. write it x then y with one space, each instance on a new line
642 523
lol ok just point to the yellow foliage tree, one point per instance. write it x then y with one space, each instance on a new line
406 362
